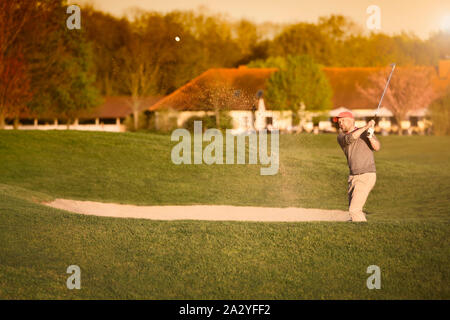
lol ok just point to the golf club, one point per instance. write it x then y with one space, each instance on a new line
385 89
371 130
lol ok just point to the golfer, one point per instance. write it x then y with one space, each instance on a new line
358 145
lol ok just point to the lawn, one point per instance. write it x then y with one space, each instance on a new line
407 234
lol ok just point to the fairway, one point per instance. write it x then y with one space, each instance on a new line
407 234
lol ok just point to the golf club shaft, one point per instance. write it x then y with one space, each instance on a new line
385 89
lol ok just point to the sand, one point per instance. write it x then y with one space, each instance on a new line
199 212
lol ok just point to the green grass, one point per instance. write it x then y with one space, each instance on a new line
407 235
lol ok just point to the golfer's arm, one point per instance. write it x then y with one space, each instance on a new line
375 143
357 133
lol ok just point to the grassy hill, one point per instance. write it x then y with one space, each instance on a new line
407 235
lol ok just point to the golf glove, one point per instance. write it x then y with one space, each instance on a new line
370 132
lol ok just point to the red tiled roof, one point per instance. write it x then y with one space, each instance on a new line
119 107
112 107
243 84
344 83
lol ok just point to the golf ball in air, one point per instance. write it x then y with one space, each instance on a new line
177 39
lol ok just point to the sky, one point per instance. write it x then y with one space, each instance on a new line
418 16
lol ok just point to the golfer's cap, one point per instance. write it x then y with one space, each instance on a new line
345 114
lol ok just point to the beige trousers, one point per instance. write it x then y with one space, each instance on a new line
359 187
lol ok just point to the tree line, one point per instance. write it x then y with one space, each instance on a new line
208 41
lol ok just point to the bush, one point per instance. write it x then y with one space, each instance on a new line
226 121
210 122
440 115
143 121
207 122
164 122
317 119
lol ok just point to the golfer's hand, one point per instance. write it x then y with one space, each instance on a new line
370 132
370 124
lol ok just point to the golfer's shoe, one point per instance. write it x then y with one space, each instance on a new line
358 217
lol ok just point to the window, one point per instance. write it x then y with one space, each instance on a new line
108 120
86 121
414 121
27 121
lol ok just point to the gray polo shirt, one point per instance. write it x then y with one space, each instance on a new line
359 152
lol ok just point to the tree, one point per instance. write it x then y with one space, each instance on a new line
206 42
380 49
271 62
14 77
440 115
304 39
147 56
108 35
339 28
247 39
216 93
300 81
410 89
139 74
440 41
76 93
52 63
62 66
179 61
13 17
14 87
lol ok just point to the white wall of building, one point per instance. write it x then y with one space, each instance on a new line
241 119
81 127
98 126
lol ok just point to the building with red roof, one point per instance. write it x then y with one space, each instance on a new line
108 116
244 84
239 92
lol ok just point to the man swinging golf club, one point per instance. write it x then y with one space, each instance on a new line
358 145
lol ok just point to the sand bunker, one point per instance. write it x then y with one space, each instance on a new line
199 212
